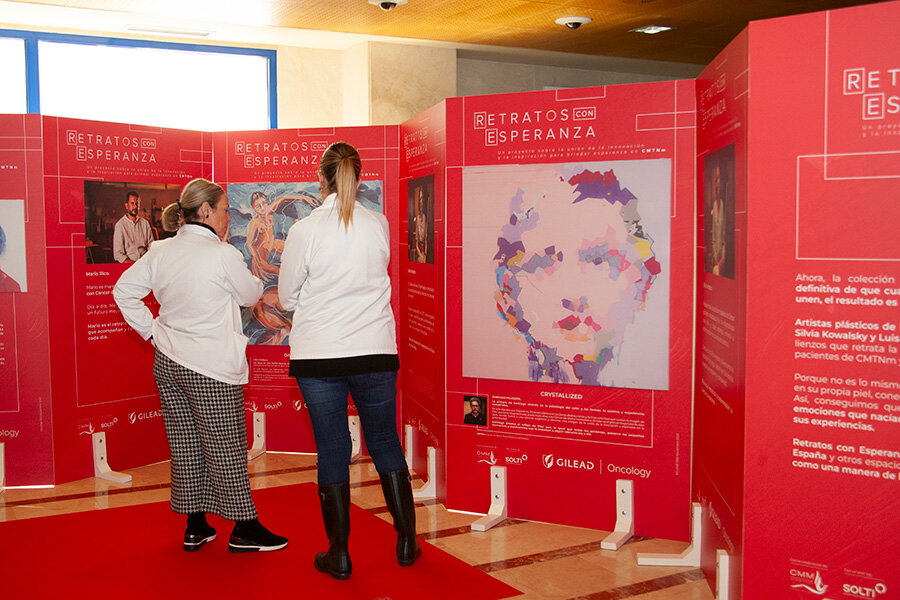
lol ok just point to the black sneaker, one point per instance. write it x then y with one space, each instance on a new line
251 536
194 540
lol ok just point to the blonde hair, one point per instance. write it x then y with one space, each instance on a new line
340 166
195 194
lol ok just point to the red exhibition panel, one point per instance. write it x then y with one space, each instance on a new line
271 180
422 242
822 385
102 370
719 411
569 274
796 418
25 415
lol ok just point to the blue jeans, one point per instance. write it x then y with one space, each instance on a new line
375 397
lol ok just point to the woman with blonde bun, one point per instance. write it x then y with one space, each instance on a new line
200 365
334 276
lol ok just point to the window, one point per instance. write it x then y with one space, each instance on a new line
207 88
12 72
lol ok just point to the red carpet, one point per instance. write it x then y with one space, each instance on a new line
136 552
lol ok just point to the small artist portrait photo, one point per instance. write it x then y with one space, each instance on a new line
12 246
122 219
421 219
718 212
475 410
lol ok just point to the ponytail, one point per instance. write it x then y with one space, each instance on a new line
340 167
195 194
172 217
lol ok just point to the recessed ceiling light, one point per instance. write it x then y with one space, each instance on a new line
651 29
175 31
573 22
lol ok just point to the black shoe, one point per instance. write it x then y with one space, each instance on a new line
398 495
251 536
194 540
335 501
198 532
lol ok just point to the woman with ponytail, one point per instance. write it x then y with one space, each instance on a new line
200 365
334 277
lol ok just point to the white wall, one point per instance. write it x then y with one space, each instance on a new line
506 71
310 87
477 77
406 80
356 86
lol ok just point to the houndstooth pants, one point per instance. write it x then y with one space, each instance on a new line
207 435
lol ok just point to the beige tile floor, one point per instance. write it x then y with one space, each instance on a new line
545 562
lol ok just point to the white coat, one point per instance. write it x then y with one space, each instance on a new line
200 283
336 281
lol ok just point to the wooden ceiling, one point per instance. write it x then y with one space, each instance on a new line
703 27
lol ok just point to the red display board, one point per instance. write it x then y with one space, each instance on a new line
719 411
549 288
797 431
25 413
423 180
102 370
59 260
271 180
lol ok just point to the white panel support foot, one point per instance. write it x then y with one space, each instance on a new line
691 555
259 437
723 574
408 432
429 490
624 516
355 438
101 461
497 512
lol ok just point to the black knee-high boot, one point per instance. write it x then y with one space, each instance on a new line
398 496
335 500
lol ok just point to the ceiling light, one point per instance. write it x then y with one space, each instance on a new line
387 5
651 29
178 32
573 22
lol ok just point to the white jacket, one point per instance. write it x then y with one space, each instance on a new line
336 281
200 283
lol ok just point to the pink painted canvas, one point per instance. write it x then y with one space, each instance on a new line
565 273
